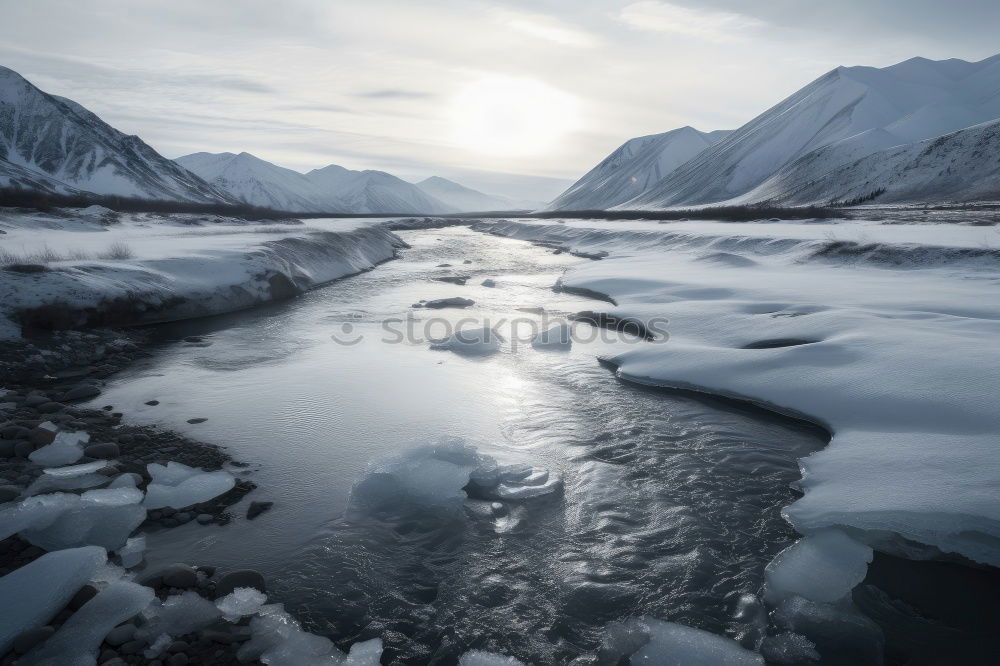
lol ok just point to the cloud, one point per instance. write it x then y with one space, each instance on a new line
546 28
393 93
710 25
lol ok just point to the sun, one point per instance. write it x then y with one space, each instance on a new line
512 117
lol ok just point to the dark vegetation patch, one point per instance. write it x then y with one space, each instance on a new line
776 343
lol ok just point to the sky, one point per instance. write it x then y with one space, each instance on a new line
516 98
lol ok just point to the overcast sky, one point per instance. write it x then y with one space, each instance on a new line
510 97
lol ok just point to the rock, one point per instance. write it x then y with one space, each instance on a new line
8 493
35 399
178 646
179 575
467 261
243 578
109 657
102 451
488 282
32 637
7 448
152 403
205 518
15 432
453 302
182 517
179 659
81 392
85 594
454 279
197 420
120 635
132 647
51 408
257 508
42 436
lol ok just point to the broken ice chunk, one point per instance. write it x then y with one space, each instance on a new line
78 639
240 602
62 520
180 614
366 653
73 477
672 644
480 658
65 449
177 485
473 341
278 638
822 567
33 594
131 554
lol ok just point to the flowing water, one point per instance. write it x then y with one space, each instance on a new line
670 506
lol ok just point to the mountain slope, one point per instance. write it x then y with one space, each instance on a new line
374 192
259 183
913 100
464 199
66 143
14 177
634 167
960 166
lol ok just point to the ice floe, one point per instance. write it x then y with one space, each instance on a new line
240 602
177 485
78 639
34 593
65 449
472 341
822 567
646 640
278 639
102 517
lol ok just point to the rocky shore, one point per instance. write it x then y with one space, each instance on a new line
198 614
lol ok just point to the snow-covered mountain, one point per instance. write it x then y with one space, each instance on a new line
465 199
959 166
259 183
332 189
634 167
374 192
851 112
67 146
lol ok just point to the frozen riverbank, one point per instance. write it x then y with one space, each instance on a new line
103 269
886 353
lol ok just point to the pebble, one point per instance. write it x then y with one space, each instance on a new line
152 403
35 400
199 419
8 493
7 448
179 575
50 408
205 518
81 392
132 647
179 659
102 451
257 508
22 449
243 578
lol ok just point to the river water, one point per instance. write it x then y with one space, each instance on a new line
670 504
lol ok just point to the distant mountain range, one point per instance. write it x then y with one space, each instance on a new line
53 145
921 131
918 131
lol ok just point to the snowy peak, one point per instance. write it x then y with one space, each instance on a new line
914 100
465 199
634 167
257 182
65 143
375 192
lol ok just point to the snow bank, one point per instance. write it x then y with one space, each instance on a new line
175 270
890 358
177 485
559 336
33 594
